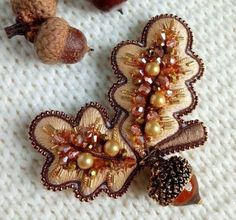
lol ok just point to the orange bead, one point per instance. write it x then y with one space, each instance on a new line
189 195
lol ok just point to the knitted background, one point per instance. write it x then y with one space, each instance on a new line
28 87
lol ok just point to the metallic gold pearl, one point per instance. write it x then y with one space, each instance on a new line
112 148
85 161
153 128
158 100
152 69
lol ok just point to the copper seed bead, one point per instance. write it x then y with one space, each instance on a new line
158 100
152 69
112 148
152 128
85 161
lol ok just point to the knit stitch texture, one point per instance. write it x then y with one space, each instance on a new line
28 87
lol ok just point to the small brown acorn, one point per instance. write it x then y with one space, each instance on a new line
29 15
28 11
57 42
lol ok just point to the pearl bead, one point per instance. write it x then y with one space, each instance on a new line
112 148
85 161
152 128
152 69
158 100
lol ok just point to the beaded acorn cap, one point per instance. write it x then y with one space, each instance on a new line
168 178
92 153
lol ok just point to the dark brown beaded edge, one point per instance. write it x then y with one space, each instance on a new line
122 80
75 185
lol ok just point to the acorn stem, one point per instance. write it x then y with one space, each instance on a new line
18 28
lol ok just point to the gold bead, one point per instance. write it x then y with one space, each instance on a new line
158 100
92 172
152 69
152 128
85 161
112 148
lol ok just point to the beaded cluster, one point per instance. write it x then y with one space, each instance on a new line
158 69
89 150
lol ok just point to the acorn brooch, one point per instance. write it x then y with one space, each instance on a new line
93 153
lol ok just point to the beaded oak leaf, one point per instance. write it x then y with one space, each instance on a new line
85 153
91 153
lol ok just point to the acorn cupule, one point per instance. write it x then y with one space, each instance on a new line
30 11
172 182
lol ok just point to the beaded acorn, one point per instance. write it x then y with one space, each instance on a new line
92 153
173 182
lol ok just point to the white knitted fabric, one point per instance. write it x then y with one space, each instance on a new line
28 87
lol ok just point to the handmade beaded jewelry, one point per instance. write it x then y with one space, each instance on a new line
92 153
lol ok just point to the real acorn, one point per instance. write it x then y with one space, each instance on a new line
58 42
28 11
29 15
55 41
